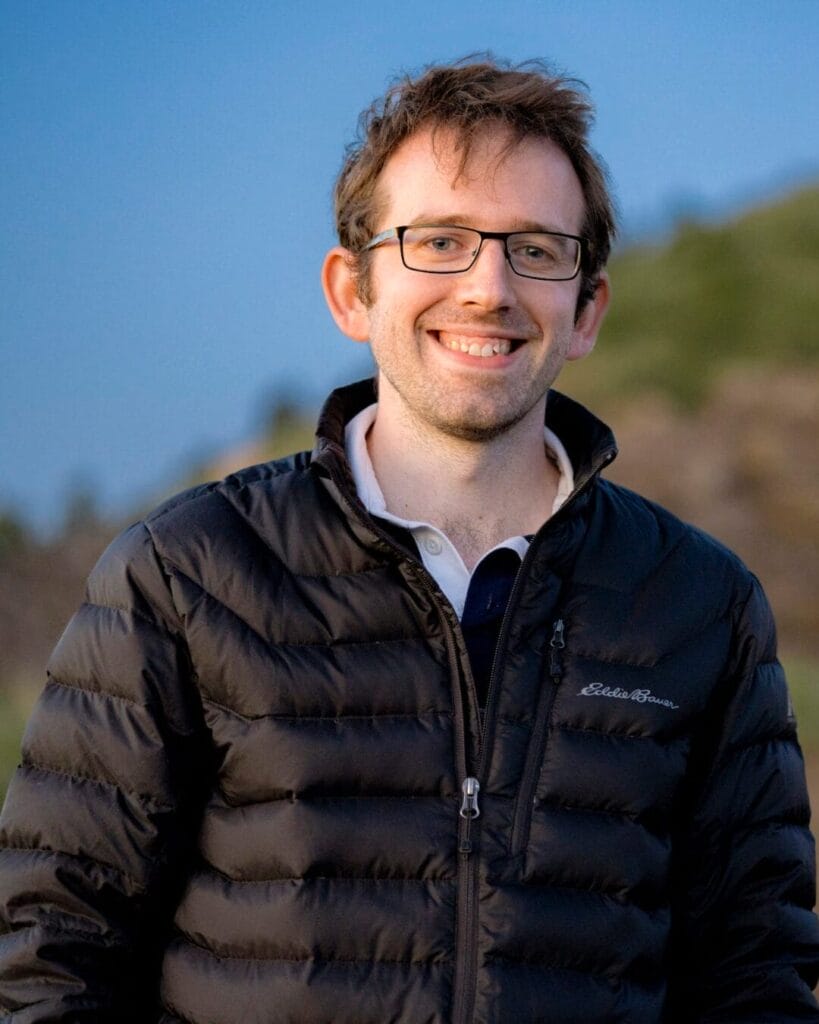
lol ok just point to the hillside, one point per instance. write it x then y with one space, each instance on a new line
745 292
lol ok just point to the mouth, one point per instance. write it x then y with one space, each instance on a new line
484 347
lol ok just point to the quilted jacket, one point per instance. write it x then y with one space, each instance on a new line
257 788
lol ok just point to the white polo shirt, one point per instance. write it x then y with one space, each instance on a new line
438 554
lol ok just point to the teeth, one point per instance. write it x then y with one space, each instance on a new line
499 347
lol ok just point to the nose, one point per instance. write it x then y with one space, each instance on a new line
489 281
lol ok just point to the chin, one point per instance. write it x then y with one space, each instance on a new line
478 427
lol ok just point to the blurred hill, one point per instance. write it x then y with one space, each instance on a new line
714 298
708 371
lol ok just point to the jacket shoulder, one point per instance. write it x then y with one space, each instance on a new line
209 508
658 581
260 476
633 538
133 564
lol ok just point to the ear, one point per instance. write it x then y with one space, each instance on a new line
590 320
341 293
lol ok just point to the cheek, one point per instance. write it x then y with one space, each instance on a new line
561 308
387 333
407 293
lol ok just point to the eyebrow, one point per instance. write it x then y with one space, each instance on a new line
460 220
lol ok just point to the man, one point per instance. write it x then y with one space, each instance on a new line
432 724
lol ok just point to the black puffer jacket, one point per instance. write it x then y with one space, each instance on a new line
245 773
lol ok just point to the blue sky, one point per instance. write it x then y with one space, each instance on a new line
166 173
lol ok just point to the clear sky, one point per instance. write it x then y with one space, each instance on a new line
166 169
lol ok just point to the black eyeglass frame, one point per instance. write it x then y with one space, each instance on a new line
503 236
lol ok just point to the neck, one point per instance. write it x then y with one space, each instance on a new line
478 492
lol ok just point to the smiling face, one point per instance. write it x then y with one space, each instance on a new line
471 354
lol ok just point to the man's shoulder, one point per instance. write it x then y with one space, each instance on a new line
634 540
259 478
203 518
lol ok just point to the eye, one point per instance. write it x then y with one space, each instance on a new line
443 241
439 242
533 252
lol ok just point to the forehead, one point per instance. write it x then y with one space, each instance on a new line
500 188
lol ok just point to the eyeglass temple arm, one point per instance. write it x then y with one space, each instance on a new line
382 236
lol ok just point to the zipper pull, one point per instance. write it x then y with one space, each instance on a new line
469 804
469 810
557 643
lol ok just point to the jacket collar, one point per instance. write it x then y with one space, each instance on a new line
588 441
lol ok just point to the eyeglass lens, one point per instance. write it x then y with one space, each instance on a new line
445 249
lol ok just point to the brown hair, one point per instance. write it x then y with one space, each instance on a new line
527 100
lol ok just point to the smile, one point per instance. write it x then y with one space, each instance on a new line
474 346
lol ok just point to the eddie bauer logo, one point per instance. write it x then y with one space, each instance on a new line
639 696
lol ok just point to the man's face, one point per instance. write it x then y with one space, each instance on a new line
419 324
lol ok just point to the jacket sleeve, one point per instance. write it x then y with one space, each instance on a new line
101 813
746 943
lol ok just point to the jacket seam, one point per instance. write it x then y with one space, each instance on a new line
158 627
147 705
743 828
369 570
590 890
624 662
661 741
376 567
449 880
587 655
551 965
323 718
105 694
279 644
313 797
47 851
632 816
786 738
332 645
146 801
195 494
371 961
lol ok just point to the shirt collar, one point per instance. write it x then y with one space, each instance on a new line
437 552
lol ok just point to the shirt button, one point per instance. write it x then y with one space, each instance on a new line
433 545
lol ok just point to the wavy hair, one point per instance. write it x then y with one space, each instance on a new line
527 100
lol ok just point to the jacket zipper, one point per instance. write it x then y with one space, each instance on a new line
470 809
522 819
466 949
466 942
463 983
466 964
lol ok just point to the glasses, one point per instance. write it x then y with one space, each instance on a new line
449 249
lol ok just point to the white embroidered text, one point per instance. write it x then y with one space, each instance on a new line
640 696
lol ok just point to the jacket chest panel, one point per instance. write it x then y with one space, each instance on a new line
332 757
277 604
343 655
361 837
295 758
581 789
